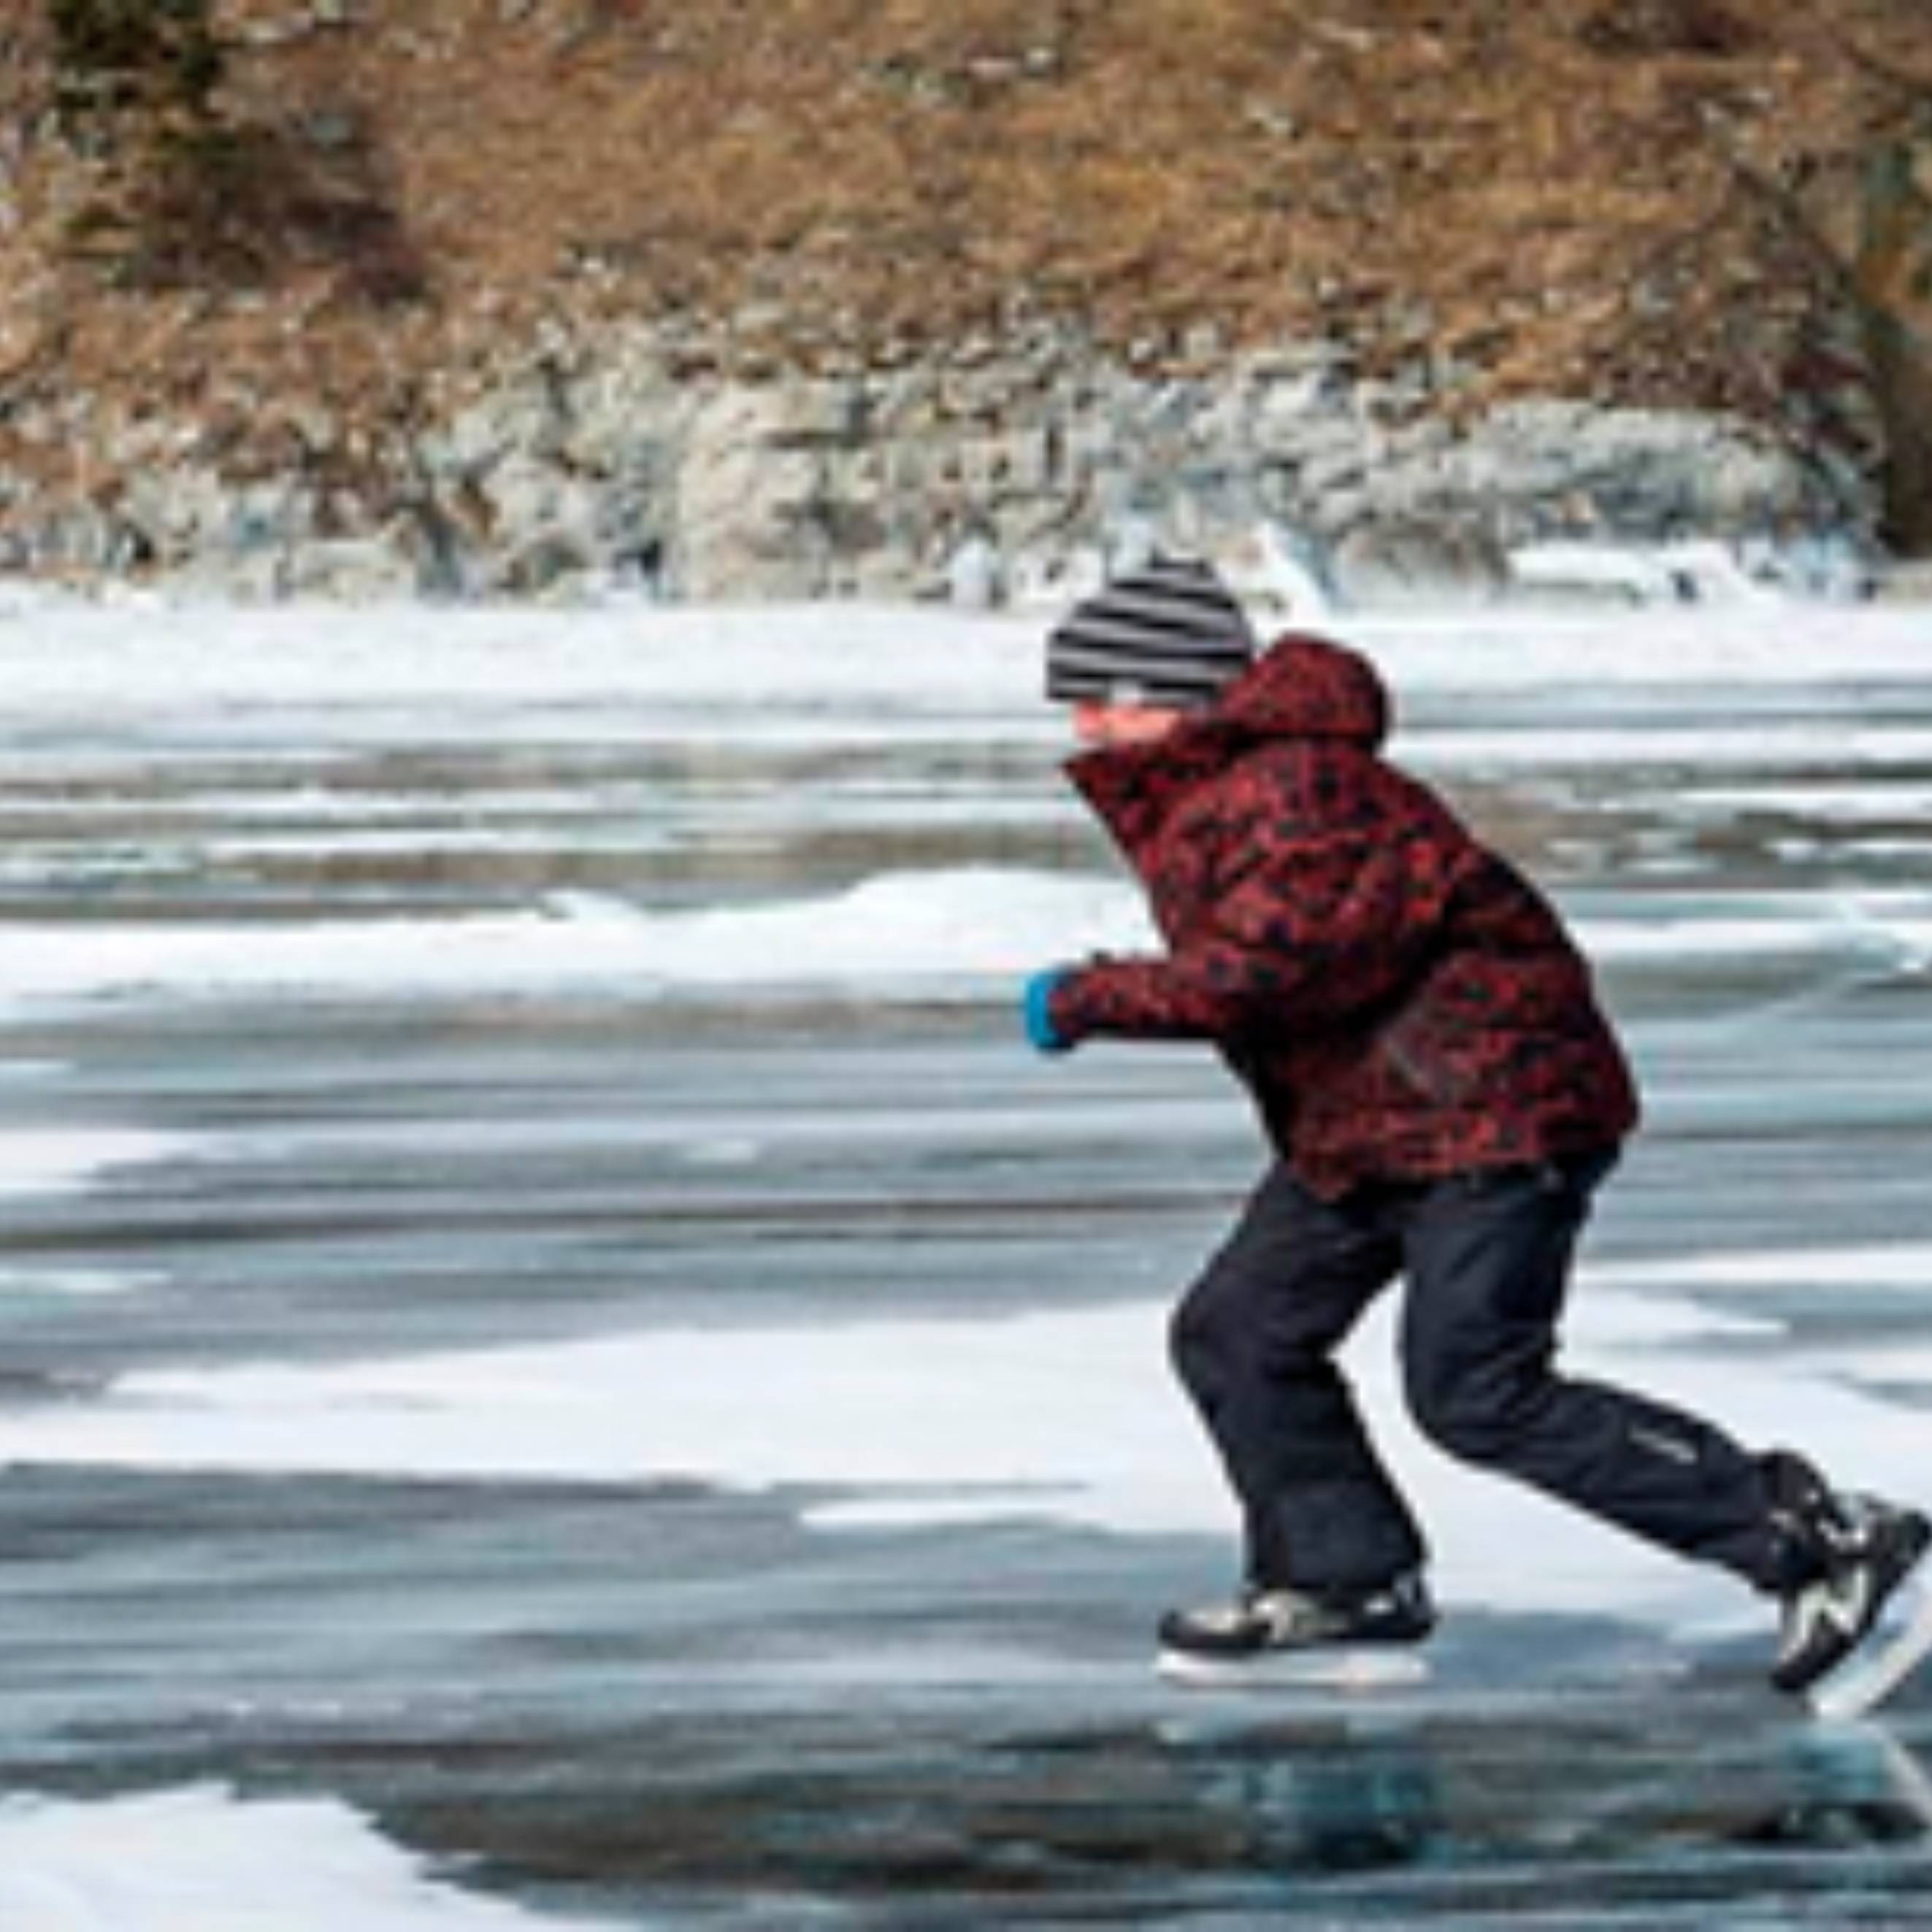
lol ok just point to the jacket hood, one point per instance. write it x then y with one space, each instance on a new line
1302 688
1305 687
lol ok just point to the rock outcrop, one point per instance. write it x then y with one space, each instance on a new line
1013 477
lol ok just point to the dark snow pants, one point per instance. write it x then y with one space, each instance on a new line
1486 1257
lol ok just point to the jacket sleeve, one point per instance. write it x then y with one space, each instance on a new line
1317 928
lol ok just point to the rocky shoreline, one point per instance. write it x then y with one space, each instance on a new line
993 474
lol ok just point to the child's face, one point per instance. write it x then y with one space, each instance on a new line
1101 727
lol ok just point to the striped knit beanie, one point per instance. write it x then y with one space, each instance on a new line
1169 633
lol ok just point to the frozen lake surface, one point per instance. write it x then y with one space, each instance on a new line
560 1363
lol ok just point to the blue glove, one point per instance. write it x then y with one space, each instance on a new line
1036 1010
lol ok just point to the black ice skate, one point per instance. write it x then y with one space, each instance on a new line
1349 1639
1864 1617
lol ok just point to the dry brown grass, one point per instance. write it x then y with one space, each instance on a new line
1546 191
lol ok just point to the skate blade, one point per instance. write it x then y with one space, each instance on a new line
1898 1642
1363 1668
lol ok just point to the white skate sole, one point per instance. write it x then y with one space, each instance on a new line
1349 1667
1895 1646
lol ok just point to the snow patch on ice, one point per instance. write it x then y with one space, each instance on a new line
968 929
1904 1264
71 1284
200 1859
940 928
53 1161
1697 572
1067 1415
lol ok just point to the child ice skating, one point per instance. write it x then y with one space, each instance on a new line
1443 1095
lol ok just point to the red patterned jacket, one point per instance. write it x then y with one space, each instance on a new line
1401 1002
